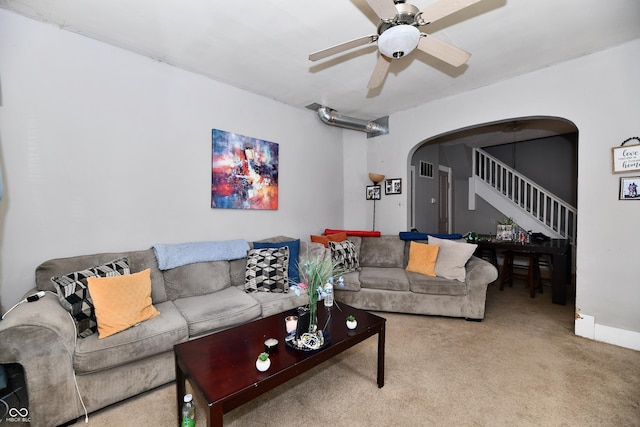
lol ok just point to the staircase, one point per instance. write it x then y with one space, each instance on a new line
532 207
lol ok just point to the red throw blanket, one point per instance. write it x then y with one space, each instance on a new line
361 233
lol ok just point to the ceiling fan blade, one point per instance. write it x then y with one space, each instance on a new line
443 51
385 9
379 72
443 8
321 54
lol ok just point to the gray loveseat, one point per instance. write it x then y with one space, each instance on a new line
384 284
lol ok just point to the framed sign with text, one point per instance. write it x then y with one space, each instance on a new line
626 158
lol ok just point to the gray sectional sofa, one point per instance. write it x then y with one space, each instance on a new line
384 284
195 300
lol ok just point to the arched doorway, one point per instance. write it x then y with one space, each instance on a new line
544 149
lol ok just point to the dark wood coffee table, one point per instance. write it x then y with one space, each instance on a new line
221 367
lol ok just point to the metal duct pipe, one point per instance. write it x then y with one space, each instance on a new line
333 118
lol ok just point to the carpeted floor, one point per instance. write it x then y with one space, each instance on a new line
521 366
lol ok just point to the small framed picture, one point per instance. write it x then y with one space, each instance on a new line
629 188
393 186
373 192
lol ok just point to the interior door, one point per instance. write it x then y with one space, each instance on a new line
443 198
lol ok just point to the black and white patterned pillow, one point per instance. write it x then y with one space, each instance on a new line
345 256
267 270
74 296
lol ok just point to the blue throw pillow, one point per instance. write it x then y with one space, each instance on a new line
294 254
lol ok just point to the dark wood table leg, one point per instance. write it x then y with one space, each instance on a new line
215 416
180 389
559 279
381 337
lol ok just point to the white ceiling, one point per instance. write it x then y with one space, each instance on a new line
262 45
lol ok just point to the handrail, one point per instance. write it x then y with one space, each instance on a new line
547 208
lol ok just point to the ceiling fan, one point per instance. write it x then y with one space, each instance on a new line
398 35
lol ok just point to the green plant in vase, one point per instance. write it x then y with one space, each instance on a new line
315 273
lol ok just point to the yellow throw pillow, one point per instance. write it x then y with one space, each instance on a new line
422 259
121 302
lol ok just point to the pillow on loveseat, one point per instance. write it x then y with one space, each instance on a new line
294 254
75 297
267 270
121 301
422 258
334 237
452 258
344 255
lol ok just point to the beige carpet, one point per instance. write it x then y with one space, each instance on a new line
521 366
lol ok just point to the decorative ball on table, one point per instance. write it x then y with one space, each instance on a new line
263 363
270 344
352 323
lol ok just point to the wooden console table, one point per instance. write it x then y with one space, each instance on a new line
558 249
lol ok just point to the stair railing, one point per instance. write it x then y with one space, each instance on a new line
536 201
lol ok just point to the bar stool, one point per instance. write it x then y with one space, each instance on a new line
488 254
533 274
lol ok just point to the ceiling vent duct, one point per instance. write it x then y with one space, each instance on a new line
333 118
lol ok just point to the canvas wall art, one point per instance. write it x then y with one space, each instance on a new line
244 172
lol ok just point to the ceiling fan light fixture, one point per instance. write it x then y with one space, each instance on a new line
398 41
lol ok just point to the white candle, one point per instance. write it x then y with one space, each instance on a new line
291 323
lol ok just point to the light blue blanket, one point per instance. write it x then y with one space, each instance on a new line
175 255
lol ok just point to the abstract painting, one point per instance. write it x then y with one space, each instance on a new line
244 172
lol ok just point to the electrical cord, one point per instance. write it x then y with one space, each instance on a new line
75 334
36 297
30 298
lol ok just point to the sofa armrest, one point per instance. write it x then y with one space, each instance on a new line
479 272
40 336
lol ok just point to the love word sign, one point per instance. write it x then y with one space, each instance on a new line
626 158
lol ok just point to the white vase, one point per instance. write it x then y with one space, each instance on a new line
352 325
263 365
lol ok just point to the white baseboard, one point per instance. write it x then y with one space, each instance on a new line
586 326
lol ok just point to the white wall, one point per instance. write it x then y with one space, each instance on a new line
104 150
599 94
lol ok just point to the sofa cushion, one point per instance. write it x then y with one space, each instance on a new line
155 336
421 284
383 251
351 282
335 237
392 279
138 261
74 294
237 271
196 279
422 258
344 255
267 270
452 258
218 310
273 303
122 301
294 255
